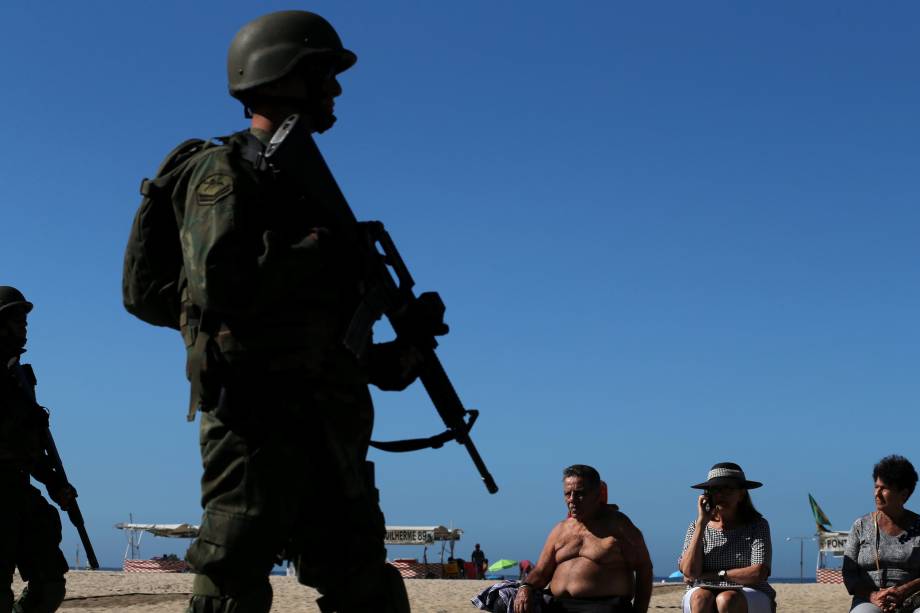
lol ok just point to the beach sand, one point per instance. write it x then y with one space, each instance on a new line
111 592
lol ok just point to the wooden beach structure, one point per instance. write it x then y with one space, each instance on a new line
164 564
425 536
831 544
411 568
830 557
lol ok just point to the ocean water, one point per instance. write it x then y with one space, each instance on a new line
278 570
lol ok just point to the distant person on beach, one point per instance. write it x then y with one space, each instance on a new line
31 527
525 566
273 281
881 563
595 561
478 557
727 550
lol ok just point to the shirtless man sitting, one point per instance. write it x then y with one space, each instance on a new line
595 561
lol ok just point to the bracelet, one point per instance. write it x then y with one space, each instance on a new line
526 585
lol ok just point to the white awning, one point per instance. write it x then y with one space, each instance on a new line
420 535
185 531
395 535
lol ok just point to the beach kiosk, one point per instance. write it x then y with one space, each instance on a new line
164 564
830 557
425 536
830 547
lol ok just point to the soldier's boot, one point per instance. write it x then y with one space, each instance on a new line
207 597
379 588
41 597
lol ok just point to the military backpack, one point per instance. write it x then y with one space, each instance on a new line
151 280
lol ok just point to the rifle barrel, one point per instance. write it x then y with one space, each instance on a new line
76 518
445 399
73 510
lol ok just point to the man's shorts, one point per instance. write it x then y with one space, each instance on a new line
605 604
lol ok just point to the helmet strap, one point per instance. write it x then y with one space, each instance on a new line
11 346
319 119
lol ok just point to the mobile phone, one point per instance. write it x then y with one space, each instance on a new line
707 501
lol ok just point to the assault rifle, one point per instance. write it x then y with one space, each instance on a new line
26 380
298 159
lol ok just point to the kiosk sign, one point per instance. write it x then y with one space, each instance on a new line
420 535
832 542
409 537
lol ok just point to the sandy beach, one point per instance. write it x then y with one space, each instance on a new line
109 592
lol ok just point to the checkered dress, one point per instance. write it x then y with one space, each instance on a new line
736 548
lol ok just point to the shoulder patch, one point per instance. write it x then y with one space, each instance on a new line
214 188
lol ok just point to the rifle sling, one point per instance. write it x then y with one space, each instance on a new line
432 442
415 444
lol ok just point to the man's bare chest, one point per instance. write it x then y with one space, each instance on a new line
597 548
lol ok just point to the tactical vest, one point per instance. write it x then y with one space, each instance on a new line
20 425
303 326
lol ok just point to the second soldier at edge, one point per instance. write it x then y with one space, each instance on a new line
31 539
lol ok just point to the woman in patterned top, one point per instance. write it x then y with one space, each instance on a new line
727 551
881 564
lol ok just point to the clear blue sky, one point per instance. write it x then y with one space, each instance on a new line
668 235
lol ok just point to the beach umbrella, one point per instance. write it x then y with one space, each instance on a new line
502 564
676 575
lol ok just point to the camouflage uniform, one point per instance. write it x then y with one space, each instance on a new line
286 413
32 527
272 275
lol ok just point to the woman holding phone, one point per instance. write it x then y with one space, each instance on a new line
727 551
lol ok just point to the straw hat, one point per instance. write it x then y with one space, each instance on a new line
726 474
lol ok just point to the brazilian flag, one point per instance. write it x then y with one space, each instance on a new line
821 520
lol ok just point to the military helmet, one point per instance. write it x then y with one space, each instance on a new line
270 47
10 297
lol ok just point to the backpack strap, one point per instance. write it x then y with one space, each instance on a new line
251 149
174 160
177 160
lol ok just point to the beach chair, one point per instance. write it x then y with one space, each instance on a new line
451 571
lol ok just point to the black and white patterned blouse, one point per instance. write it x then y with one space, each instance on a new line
736 548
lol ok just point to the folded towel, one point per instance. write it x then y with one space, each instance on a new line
499 598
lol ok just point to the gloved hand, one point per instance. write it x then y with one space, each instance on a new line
393 366
426 315
63 495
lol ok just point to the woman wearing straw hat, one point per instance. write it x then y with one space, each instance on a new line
727 552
